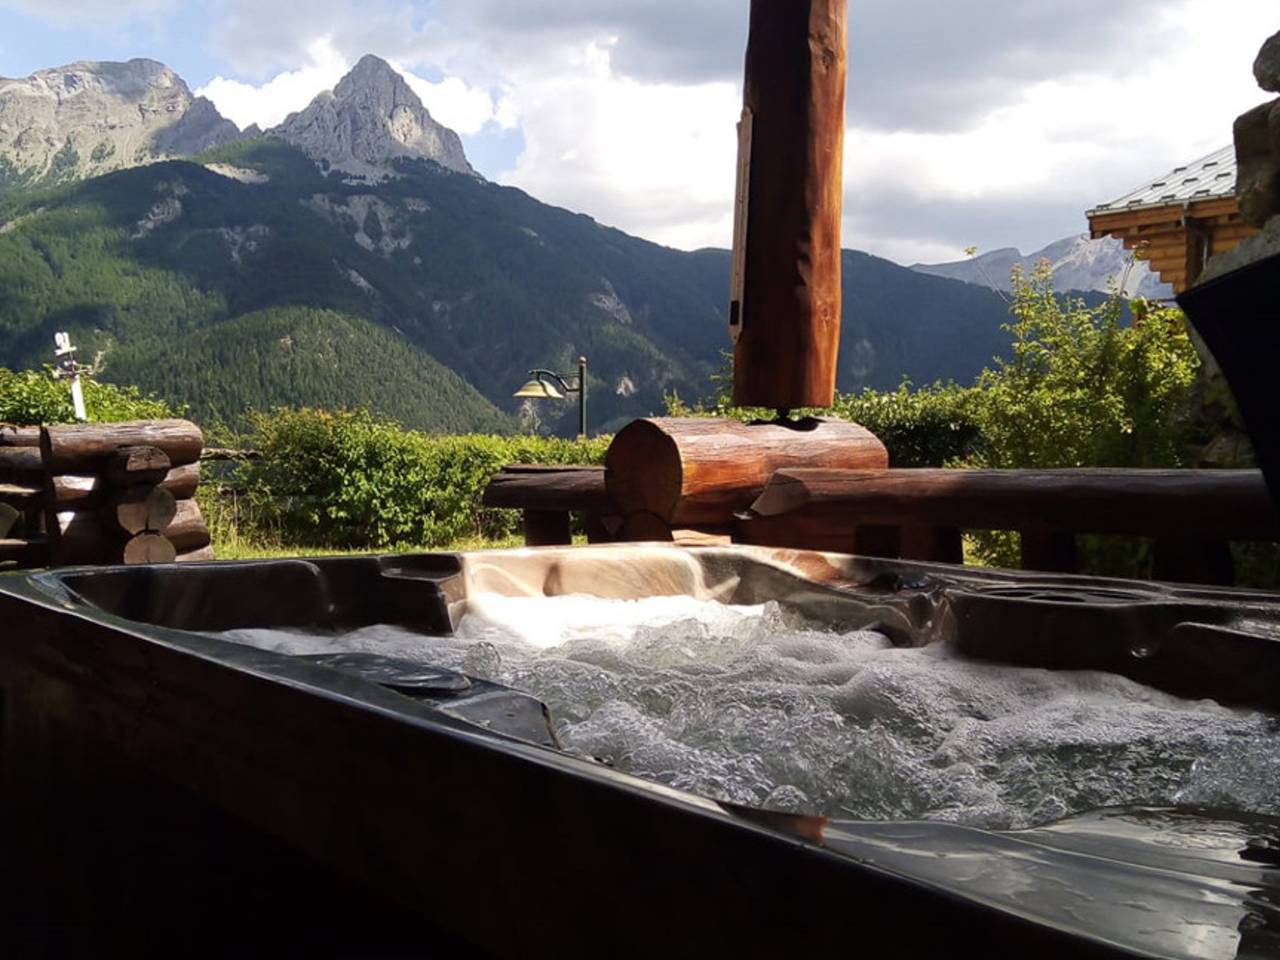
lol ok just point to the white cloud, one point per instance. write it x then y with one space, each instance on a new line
71 11
1072 142
652 158
268 103
997 122
459 107
451 101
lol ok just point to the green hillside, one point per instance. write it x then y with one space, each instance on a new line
303 356
290 285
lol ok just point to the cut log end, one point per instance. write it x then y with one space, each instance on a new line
137 465
148 548
643 469
139 509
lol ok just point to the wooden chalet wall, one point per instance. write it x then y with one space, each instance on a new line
1177 239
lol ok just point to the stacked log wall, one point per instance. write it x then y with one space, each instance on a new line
122 492
22 533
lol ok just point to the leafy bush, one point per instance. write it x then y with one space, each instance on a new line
34 397
353 479
1083 389
930 427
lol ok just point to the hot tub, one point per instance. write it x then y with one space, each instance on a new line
337 755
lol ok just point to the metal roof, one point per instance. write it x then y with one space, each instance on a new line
1204 179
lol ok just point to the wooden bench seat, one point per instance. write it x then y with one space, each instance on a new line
548 495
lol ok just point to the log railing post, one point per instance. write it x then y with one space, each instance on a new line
784 308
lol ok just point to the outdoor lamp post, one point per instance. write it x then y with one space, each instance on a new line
546 385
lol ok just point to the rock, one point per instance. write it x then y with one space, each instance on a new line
1257 135
1267 67
199 128
88 118
371 119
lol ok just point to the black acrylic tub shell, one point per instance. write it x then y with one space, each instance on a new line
1238 317
161 788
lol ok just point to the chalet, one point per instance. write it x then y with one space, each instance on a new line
1177 221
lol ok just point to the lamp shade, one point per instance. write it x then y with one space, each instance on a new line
539 390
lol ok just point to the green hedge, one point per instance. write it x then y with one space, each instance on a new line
352 479
35 397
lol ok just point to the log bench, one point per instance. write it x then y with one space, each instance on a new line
919 514
548 495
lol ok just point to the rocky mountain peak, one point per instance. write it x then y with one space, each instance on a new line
90 117
369 120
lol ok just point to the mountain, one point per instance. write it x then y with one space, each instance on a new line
1078 263
370 120
266 272
85 119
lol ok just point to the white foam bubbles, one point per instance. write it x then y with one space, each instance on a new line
755 705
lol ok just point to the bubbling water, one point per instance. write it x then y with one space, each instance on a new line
756 705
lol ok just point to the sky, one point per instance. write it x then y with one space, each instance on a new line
987 123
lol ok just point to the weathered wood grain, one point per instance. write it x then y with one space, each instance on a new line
16 436
148 548
1232 504
693 472
794 90
548 488
196 556
187 531
136 465
76 488
139 509
81 448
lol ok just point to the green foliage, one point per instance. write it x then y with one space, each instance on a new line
354 479
35 397
372 226
306 357
482 278
930 427
1083 389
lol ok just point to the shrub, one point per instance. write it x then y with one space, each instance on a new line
930 427
1083 389
353 479
35 397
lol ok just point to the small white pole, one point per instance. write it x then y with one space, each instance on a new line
67 367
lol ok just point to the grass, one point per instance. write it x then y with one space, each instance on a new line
239 534
243 548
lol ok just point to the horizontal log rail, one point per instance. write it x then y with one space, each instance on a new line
1233 504
919 514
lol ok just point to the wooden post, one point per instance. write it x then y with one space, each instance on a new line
785 306
547 528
